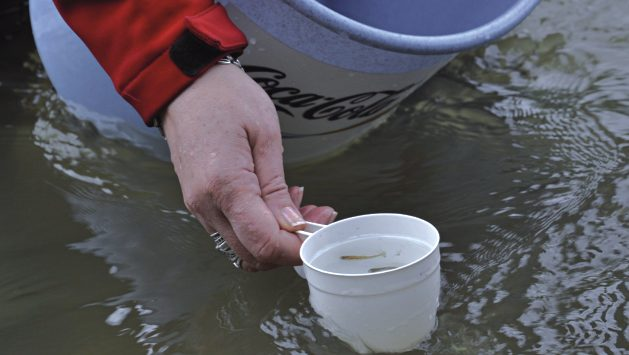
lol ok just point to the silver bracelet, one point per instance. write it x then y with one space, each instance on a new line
224 248
228 59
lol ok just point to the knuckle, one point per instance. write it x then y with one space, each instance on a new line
193 202
266 251
268 143
226 192
270 132
276 184
264 105
252 265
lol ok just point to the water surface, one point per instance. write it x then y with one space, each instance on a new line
517 152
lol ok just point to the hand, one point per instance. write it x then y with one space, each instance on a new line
226 147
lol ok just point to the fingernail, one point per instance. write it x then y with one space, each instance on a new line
292 217
300 193
333 216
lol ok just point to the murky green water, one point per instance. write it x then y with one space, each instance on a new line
517 152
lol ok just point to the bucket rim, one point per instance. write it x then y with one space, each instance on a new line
412 44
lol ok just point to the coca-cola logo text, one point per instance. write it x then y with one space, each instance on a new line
316 106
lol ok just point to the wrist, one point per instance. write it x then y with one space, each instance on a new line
176 60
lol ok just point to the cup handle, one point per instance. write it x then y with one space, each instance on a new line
303 235
311 227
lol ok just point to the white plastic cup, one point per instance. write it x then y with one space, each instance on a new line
375 280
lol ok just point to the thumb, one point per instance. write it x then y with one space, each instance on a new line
269 168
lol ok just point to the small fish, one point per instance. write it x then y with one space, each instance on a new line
378 269
362 257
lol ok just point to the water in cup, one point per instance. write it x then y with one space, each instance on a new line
369 254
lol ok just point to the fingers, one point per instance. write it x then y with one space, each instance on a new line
213 220
321 214
250 262
311 213
305 209
266 145
296 194
253 222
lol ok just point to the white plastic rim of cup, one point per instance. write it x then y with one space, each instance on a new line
374 279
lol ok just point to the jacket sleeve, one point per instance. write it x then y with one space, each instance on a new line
152 50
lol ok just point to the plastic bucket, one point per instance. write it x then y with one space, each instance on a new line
334 68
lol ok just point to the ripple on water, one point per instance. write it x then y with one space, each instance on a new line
295 329
517 151
551 283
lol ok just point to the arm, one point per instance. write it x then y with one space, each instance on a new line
222 129
148 48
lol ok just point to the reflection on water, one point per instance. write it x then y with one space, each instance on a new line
517 152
